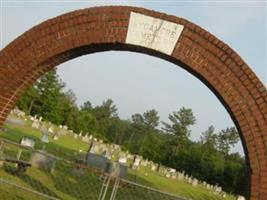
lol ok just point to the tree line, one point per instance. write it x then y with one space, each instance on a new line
167 143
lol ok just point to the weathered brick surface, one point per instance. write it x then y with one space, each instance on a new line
85 31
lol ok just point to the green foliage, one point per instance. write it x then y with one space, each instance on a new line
179 127
209 159
227 138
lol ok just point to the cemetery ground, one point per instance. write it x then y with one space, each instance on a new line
63 185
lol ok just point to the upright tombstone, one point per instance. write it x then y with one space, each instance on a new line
194 182
50 129
122 159
239 197
144 162
86 138
44 139
27 142
218 189
153 167
168 175
81 134
35 124
55 136
97 161
180 176
136 163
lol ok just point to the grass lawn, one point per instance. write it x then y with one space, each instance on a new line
65 183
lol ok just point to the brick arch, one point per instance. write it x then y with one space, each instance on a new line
98 29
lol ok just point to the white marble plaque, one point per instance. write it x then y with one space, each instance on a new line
153 33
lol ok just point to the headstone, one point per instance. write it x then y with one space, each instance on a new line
97 161
86 139
95 148
218 189
115 169
35 124
180 176
27 142
55 137
239 197
45 138
190 180
204 183
144 162
14 120
123 160
106 153
153 167
173 175
19 113
172 170
50 129
194 182
168 175
80 134
136 162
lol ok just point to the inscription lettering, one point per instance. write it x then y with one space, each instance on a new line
153 33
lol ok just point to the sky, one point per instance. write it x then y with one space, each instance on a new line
138 82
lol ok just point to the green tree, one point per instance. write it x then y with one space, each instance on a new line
151 119
105 115
87 106
27 100
227 137
179 126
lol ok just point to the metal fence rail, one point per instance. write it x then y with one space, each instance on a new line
139 191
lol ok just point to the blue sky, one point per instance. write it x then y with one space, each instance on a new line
139 82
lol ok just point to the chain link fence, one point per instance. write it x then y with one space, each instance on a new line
28 174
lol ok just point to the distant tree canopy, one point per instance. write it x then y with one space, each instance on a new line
208 159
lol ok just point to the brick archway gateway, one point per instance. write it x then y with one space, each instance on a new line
171 38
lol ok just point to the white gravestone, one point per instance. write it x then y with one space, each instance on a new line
153 33
35 124
136 162
194 182
27 142
86 139
50 130
239 197
168 175
153 167
123 160
55 137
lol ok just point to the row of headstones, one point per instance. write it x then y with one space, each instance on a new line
173 174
